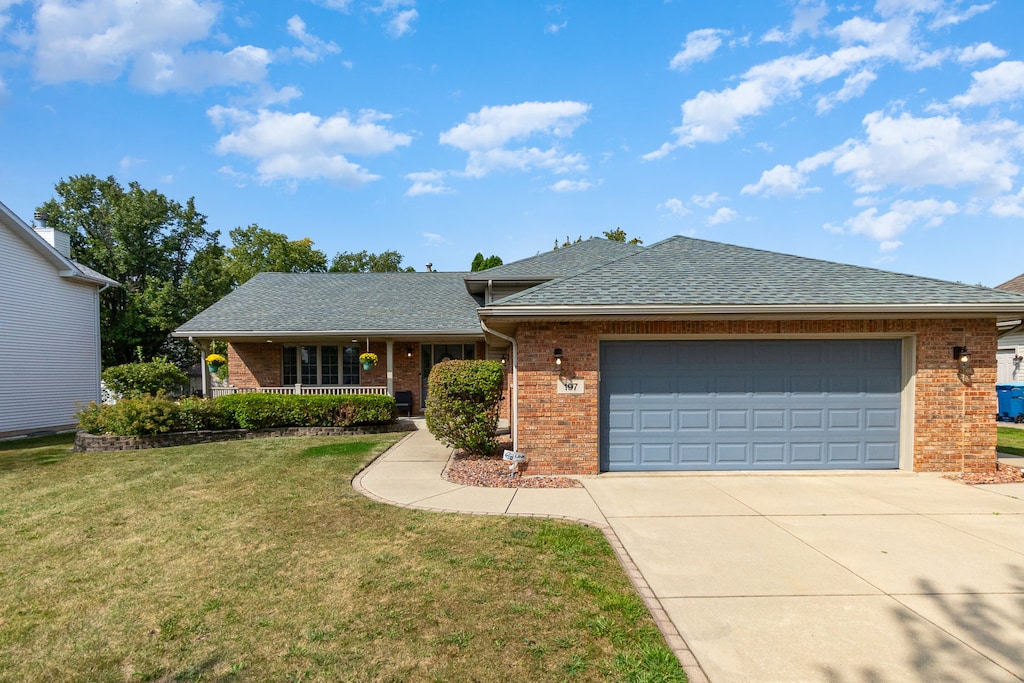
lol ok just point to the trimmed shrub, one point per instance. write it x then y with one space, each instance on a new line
137 379
198 413
143 415
264 411
463 407
136 416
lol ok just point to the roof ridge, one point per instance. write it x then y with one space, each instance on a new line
579 273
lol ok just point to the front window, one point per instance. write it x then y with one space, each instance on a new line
313 364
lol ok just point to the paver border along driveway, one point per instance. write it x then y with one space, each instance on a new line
835 577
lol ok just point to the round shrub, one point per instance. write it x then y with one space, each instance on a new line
137 379
463 408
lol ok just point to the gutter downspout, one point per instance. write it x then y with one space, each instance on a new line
99 346
515 382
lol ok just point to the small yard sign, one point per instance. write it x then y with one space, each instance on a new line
513 456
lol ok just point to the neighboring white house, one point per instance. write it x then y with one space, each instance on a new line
49 328
1010 354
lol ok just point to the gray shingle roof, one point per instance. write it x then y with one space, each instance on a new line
343 302
691 272
558 262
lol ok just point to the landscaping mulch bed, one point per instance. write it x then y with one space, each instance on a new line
491 470
1004 474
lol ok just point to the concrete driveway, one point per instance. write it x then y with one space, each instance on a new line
840 578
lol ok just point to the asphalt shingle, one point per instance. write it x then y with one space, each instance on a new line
688 271
349 302
558 262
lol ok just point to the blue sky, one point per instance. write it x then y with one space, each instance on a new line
886 133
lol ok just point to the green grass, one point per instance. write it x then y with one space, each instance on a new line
1010 440
257 561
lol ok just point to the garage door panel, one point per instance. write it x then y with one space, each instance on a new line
769 419
783 404
774 453
731 419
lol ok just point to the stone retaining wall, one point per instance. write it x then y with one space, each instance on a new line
94 443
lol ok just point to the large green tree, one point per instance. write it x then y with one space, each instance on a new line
258 250
169 264
367 262
480 263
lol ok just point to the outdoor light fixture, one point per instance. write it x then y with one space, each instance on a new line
961 354
504 359
408 352
558 357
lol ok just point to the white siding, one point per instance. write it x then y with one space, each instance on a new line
49 356
1010 345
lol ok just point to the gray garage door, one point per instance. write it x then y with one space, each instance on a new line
757 405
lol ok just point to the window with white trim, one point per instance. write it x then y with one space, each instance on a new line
319 364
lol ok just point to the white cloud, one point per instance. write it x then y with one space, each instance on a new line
433 239
486 134
303 146
854 86
723 215
914 152
401 24
339 5
1004 81
196 71
675 207
127 162
99 40
780 181
571 186
807 18
705 201
495 126
553 29
979 52
885 228
783 179
1009 206
950 17
313 48
700 46
714 116
427 182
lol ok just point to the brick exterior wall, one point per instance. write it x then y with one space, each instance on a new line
953 422
255 364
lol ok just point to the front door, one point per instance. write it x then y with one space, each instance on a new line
432 354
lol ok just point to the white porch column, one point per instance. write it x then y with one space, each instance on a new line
391 367
204 351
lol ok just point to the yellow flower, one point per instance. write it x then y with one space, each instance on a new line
370 358
216 359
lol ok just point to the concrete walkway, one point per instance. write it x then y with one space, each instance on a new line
787 577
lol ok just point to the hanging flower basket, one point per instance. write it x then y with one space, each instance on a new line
214 362
368 360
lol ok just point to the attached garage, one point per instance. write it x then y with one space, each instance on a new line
780 404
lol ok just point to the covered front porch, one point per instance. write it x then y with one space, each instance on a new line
330 365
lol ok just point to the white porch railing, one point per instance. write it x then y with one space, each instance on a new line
300 389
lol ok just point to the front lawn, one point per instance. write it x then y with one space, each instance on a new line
1010 440
255 560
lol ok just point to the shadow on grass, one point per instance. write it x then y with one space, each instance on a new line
991 626
20 454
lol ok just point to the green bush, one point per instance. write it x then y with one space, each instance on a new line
463 407
137 416
157 414
137 379
197 413
264 411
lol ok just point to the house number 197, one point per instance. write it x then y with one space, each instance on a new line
570 386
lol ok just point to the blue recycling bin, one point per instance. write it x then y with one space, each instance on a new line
1010 401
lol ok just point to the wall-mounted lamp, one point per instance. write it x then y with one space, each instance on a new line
504 359
558 357
408 352
961 354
